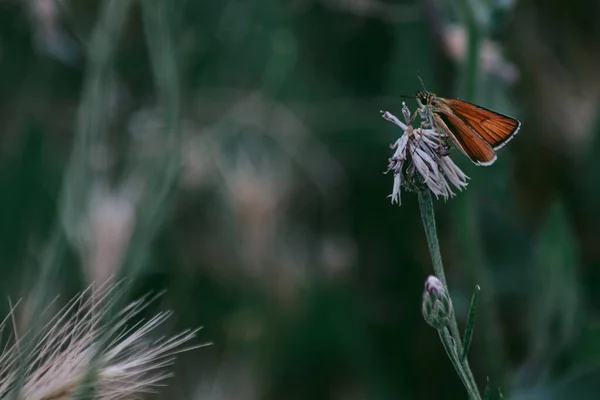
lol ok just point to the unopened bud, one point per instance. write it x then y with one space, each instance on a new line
437 306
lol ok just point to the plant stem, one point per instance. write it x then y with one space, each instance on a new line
91 128
470 238
160 174
452 352
428 218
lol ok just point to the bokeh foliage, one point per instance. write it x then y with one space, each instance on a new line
231 153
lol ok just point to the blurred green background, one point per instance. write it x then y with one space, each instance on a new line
231 153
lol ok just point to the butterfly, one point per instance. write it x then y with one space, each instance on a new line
475 130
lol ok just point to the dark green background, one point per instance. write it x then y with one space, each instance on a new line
276 234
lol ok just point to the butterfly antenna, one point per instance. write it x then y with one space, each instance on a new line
421 79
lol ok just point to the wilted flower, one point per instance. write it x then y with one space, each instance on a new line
437 306
421 160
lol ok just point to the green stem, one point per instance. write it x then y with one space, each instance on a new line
92 114
428 218
473 40
451 350
160 175
472 68
91 128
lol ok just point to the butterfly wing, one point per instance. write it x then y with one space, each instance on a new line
495 128
477 149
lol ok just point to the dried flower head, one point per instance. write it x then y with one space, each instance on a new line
421 160
74 340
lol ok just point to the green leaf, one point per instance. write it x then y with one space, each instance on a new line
470 324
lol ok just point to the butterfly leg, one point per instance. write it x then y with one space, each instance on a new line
428 122
443 147
414 116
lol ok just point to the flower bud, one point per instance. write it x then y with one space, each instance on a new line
436 306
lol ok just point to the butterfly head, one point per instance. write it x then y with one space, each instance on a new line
425 98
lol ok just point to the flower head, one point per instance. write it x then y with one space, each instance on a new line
421 160
437 306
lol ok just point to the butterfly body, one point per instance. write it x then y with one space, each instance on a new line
476 131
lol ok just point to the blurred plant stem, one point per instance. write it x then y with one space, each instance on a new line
450 338
161 173
91 124
92 115
472 64
466 207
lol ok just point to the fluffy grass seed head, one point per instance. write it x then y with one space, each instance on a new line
63 352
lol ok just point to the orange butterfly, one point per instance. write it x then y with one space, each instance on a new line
476 131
